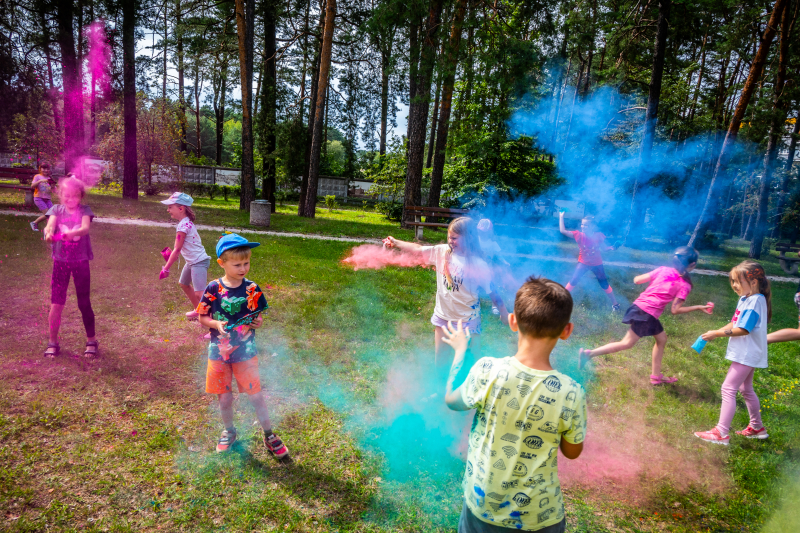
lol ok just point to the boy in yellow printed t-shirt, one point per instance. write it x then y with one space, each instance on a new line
524 412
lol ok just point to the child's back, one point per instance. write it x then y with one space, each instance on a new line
521 416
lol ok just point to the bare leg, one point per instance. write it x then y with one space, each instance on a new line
612 298
259 403
36 222
627 342
55 321
194 296
784 335
226 408
658 352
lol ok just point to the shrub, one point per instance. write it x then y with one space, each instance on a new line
330 202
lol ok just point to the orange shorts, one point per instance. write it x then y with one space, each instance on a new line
219 376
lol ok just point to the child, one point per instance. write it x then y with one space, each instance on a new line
68 229
461 273
747 350
591 243
194 275
492 254
229 300
788 334
41 185
524 412
666 285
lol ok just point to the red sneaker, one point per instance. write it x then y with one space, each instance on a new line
275 445
713 436
226 441
751 433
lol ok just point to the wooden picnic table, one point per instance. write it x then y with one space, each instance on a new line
24 175
432 212
25 188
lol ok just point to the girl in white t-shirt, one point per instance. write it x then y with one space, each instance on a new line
461 273
747 350
194 276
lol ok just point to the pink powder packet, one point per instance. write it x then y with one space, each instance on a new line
165 253
711 310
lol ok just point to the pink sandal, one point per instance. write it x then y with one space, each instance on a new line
661 379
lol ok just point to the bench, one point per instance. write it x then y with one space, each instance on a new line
26 188
431 212
788 264
24 175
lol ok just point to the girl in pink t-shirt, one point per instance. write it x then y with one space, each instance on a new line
666 285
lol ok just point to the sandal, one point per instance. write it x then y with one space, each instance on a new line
52 350
91 349
661 379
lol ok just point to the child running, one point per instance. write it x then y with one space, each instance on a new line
194 275
787 334
461 273
747 350
68 230
230 308
591 244
42 190
525 411
666 285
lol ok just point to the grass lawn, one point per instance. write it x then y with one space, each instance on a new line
126 442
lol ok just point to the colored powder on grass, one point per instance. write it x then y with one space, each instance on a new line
377 257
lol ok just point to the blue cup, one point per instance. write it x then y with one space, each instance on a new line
699 344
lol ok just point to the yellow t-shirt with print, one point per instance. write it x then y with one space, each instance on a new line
512 462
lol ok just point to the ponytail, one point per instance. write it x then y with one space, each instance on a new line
754 273
189 213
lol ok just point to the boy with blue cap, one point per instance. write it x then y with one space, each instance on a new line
231 307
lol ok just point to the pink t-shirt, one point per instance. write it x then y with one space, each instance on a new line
666 284
589 248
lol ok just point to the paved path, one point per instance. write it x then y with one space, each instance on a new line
152 223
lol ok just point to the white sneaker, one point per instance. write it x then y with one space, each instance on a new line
34 227
192 315
495 310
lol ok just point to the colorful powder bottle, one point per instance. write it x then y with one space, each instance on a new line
709 310
699 344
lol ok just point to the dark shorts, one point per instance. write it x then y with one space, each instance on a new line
598 271
469 523
643 324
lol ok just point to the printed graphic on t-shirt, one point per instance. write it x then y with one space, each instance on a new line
589 248
238 307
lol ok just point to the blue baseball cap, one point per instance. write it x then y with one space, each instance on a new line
180 198
233 240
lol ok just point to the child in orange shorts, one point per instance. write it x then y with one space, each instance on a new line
231 308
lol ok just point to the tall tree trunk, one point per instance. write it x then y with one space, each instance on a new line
166 34
245 20
319 115
786 175
418 111
756 68
179 53
268 104
52 92
92 91
386 56
434 119
413 69
312 108
73 90
448 82
638 202
594 36
130 164
197 91
699 75
219 112
776 131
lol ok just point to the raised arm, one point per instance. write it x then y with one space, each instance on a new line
458 338
561 226
403 246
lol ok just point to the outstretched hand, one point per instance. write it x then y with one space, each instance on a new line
389 242
457 337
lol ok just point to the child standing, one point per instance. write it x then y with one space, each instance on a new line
194 275
461 273
233 299
747 350
42 190
666 285
68 229
591 244
525 411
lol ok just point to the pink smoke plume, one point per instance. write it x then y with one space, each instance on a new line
98 60
377 257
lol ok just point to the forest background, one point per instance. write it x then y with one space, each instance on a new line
291 90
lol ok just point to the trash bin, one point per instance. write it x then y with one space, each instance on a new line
259 213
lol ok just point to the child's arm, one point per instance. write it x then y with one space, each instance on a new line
561 226
86 222
180 237
403 246
571 451
728 330
642 278
50 229
208 322
459 340
679 309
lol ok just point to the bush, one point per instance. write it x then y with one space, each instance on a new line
392 210
330 202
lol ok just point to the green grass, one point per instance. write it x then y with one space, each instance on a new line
125 443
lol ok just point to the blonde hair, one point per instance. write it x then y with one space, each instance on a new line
240 252
754 273
465 228
72 181
189 212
